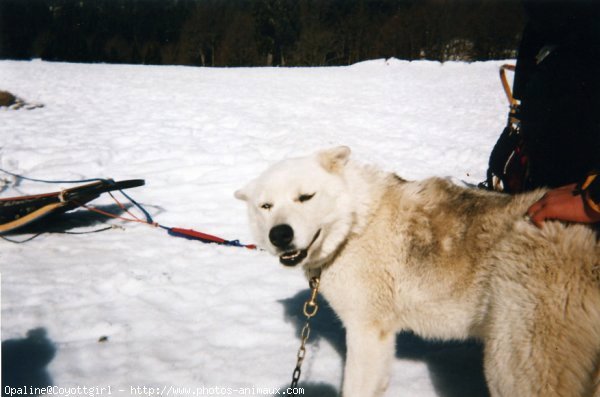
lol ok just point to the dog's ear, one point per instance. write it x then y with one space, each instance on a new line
333 160
243 193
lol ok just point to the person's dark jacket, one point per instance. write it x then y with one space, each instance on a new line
557 81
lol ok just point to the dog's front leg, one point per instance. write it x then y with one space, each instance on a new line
369 354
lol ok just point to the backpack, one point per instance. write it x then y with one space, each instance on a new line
508 166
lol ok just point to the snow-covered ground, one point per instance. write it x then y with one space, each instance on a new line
133 308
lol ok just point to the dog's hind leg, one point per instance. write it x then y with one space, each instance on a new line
538 348
368 361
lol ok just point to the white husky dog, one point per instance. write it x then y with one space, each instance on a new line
444 261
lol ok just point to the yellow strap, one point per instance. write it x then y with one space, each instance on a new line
511 100
588 181
591 203
30 217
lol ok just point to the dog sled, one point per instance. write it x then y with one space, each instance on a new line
17 212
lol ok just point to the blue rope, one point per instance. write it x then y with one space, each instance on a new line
49 181
149 219
139 206
108 181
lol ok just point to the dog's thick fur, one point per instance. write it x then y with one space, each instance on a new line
444 261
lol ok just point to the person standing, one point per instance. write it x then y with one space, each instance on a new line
557 81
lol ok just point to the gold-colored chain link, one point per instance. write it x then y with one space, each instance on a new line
310 310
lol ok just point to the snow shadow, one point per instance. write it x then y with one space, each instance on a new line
67 222
455 368
24 361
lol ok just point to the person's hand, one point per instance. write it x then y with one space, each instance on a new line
564 204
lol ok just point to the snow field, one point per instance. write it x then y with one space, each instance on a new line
183 313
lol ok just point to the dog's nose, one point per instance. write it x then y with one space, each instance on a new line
281 235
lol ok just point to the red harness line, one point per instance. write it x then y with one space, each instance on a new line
173 231
206 238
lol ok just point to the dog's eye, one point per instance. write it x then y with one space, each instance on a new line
266 206
305 197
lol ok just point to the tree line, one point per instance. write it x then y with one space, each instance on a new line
258 32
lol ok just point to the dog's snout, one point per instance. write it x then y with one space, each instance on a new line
281 235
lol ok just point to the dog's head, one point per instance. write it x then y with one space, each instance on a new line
300 209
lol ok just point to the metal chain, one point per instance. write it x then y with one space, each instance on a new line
310 310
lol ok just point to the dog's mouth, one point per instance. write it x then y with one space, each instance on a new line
292 258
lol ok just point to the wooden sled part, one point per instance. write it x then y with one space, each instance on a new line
16 212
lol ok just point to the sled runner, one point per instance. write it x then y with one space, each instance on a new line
16 212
